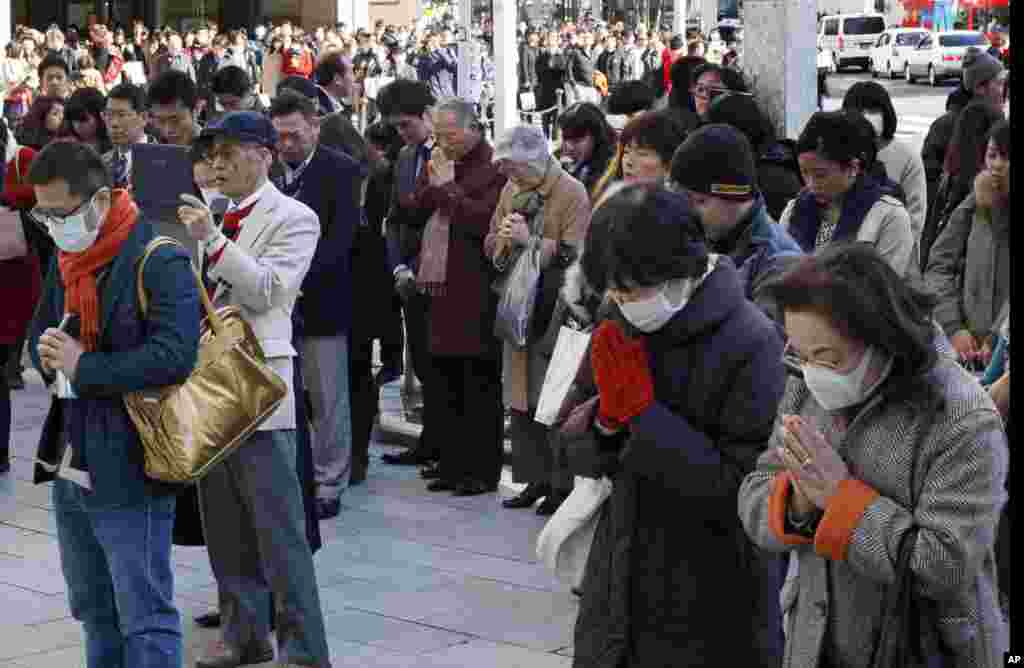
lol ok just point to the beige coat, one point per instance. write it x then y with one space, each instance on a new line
262 272
566 218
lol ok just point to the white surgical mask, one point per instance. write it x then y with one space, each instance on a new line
74 235
651 314
877 122
836 391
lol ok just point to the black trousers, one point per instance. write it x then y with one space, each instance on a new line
364 398
417 310
469 417
392 339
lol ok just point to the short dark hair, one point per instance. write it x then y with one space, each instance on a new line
864 298
745 114
643 235
231 80
331 65
1000 136
839 136
631 97
654 130
405 97
174 86
337 132
52 60
866 96
386 136
74 162
135 95
289 102
731 79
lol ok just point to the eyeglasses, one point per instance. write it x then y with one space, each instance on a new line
791 356
109 115
46 217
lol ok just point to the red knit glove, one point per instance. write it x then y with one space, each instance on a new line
623 375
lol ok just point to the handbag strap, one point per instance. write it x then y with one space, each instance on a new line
216 323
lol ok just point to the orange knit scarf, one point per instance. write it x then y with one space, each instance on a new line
78 270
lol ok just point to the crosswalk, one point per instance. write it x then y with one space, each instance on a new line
912 127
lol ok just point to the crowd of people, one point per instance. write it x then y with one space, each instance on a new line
801 344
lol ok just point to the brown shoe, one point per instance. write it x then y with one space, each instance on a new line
233 657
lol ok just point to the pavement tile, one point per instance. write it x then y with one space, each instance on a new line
492 655
19 641
394 635
62 658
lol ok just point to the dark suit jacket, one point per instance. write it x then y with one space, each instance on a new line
328 187
406 219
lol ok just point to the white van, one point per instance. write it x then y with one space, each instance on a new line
849 38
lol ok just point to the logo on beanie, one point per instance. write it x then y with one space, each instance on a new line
730 190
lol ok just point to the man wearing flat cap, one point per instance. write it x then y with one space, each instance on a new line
252 503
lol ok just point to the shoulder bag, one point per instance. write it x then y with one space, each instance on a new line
188 429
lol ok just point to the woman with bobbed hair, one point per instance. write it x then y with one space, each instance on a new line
842 200
646 147
539 203
884 444
688 374
588 143
903 165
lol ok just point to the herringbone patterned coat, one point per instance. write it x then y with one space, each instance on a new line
961 462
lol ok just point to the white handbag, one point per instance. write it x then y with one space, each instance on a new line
564 543
570 348
527 101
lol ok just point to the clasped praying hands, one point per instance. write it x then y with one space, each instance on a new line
816 467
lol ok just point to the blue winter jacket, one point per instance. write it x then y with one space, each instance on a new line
132 355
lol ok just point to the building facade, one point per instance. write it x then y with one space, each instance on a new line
183 14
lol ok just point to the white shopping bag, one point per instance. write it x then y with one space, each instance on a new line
570 348
564 542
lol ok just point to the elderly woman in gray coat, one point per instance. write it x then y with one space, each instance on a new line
884 434
540 200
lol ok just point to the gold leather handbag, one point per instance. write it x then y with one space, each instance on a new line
188 429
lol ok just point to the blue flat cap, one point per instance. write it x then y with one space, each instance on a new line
245 126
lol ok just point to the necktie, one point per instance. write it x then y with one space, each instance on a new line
230 226
119 169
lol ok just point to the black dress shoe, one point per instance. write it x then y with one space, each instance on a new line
529 496
327 508
232 657
210 620
551 503
5 464
431 472
441 485
412 457
473 488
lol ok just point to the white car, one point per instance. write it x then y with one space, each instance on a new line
890 52
940 55
849 38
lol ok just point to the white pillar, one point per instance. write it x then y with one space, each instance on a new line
356 13
779 58
5 21
708 15
680 12
469 82
506 83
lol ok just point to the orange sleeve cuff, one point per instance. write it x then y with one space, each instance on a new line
777 504
832 540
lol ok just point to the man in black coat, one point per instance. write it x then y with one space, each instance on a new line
406 104
528 80
329 183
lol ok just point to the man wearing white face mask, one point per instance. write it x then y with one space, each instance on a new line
689 378
114 527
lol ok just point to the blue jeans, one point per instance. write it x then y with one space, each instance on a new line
117 566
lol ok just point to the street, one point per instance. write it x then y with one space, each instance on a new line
917 105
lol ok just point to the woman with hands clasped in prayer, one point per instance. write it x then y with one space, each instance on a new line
883 435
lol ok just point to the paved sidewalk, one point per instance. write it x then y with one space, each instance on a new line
408 578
